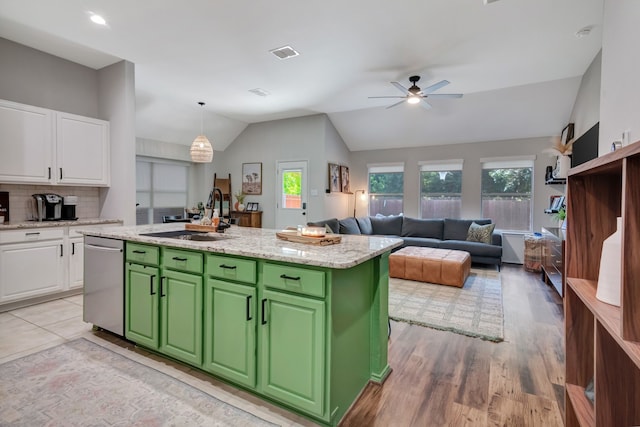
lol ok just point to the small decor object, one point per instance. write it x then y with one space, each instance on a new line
252 207
562 147
313 231
609 278
239 200
252 178
292 236
335 183
344 178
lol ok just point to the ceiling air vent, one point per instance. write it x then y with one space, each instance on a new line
486 2
284 52
260 92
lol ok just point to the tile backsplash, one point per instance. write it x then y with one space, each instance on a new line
20 199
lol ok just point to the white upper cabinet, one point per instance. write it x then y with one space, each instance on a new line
38 145
26 143
82 148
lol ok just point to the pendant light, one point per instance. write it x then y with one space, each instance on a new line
201 150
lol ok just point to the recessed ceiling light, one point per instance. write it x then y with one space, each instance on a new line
584 32
486 2
260 92
284 52
97 19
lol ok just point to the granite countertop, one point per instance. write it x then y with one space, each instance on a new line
44 224
262 243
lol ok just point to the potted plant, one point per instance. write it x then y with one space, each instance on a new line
561 216
239 206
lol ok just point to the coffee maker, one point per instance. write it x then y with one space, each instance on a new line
69 207
48 207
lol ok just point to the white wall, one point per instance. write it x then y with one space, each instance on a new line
471 154
300 138
586 110
620 91
336 151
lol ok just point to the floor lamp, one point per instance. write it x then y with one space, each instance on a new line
355 199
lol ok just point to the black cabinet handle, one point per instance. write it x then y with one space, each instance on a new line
61 250
139 252
49 173
264 320
249 308
33 233
151 284
60 173
228 267
285 277
162 294
73 248
175 258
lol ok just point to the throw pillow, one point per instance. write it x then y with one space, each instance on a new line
480 233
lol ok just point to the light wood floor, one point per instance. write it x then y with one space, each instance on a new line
445 379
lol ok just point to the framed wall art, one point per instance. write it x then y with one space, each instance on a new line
335 183
252 178
344 178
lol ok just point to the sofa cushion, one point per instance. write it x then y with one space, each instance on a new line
349 226
474 248
430 228
480 233
386 225
421 241
333 224
457 229
364 222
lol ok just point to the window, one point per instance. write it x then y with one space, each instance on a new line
386 189
161 189
506 192
441 189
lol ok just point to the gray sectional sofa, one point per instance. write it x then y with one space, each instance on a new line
433 233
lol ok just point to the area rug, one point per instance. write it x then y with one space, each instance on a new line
80 383
474 310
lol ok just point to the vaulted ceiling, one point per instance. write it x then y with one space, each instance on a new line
518 62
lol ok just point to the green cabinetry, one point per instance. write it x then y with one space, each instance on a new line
163 306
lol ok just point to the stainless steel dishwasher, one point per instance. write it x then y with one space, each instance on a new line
104 283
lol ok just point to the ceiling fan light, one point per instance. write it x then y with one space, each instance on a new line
413 99
201 150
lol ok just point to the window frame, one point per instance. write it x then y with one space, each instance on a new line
381 168
448 165
152 192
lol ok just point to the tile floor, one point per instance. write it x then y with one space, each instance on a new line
35 328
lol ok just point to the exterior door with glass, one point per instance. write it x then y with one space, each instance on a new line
291 194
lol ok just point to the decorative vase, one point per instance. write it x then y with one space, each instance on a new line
563 164
241 207
609 278
235 206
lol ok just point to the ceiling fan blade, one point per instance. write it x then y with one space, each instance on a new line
401 88
445 95
424 104
393 105
434 87
387 97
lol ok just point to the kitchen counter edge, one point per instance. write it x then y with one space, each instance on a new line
49 224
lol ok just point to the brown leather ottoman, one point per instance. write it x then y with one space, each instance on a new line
441 266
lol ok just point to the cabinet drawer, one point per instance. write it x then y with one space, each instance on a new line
143 254
31 235
177 259
300 280
241 270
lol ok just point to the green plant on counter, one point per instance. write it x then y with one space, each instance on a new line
561 215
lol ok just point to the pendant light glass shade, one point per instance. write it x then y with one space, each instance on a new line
201 150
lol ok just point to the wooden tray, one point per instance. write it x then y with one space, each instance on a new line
198 227
292 236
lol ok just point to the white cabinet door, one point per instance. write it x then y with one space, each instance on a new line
26 143
76 262
82 150
31 269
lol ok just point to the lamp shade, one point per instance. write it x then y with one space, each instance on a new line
201 150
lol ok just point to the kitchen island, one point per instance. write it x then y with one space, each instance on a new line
302 326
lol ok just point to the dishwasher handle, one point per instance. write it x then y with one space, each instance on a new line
102 248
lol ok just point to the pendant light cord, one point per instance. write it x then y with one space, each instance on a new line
201 118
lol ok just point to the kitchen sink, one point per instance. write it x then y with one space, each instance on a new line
188 235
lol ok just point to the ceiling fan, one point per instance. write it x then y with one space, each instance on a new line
415 95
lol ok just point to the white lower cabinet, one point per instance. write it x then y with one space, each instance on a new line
32 263
76 262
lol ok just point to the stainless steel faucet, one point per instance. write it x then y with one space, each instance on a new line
212 200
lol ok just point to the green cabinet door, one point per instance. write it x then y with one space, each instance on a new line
142 284
230 331
181 316
292 354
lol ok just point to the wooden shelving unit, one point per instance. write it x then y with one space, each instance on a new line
603 341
